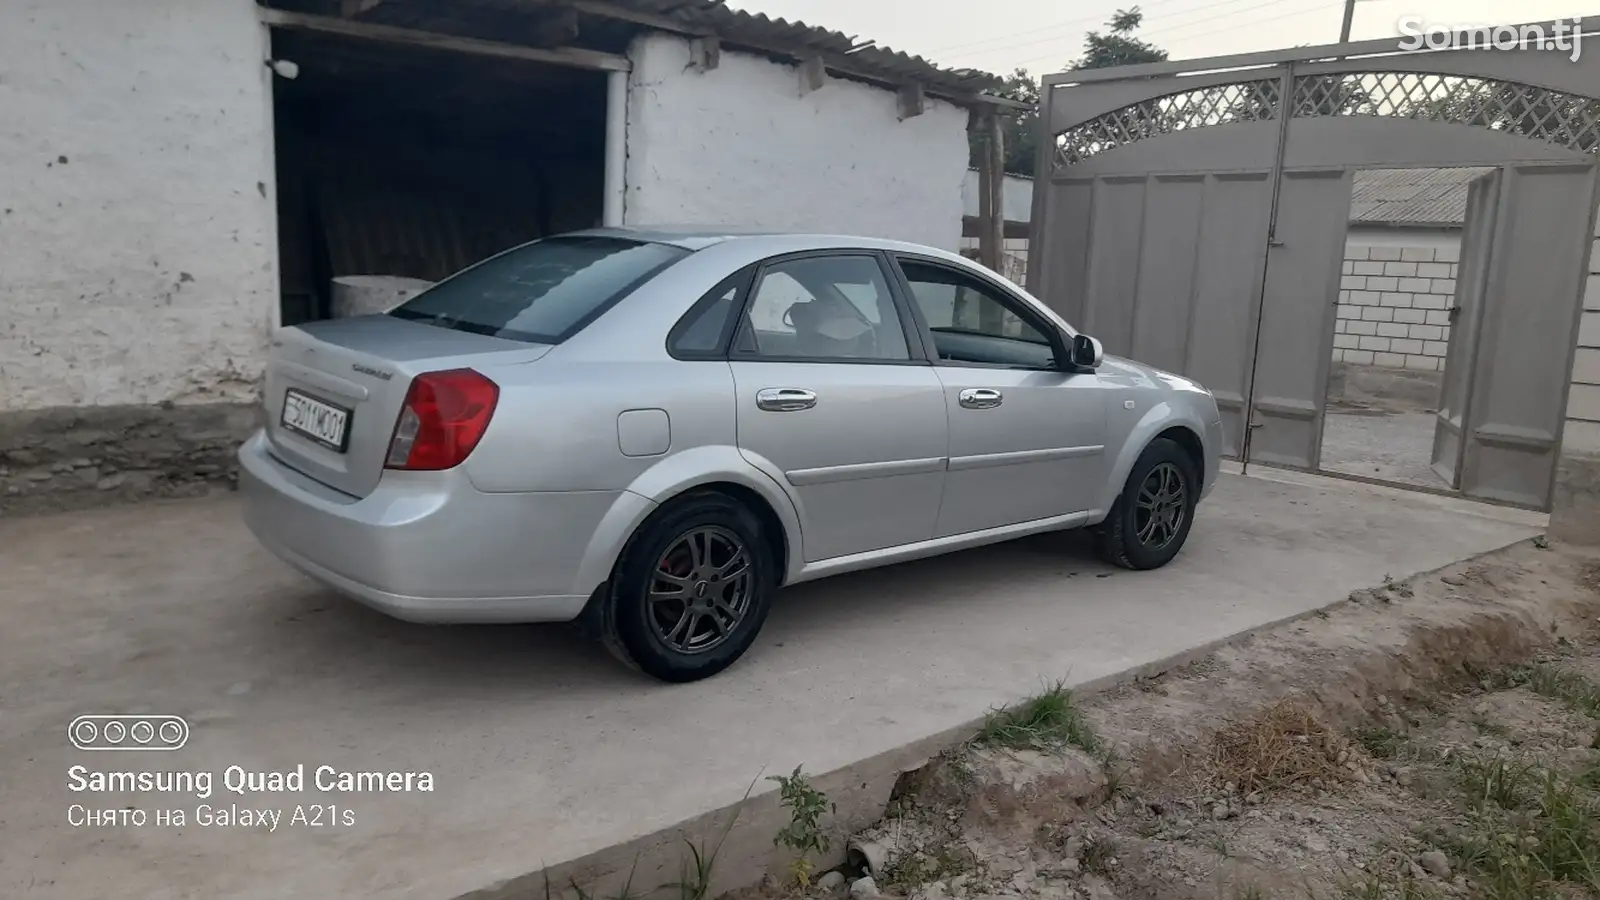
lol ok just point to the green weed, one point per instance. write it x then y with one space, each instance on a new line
1046 721
803 834
1380 742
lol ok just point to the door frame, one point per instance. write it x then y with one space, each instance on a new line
1065 382
1017 306
748 279
915 345
1490 245
1326 325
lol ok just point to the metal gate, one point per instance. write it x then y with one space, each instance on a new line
1194 215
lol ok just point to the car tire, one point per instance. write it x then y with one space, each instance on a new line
681 608
1149 523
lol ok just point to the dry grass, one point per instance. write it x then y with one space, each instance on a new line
1283 746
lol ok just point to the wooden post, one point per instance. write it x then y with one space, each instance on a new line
997 183
992 213
991 193
986 248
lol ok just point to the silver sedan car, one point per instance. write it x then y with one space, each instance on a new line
649 432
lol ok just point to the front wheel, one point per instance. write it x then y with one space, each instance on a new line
1150 520
691 591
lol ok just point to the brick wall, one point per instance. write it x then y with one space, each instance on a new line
1575 508
1583 402
1394 306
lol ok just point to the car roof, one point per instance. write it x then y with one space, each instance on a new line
699 237
764 242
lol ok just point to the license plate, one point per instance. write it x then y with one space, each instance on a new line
323 422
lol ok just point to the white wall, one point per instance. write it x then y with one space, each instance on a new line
136 186
1016 196
739 145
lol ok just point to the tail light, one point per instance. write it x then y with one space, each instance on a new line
444 417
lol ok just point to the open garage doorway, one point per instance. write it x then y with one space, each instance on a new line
398 165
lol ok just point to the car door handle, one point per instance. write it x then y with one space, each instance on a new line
785 399
981 398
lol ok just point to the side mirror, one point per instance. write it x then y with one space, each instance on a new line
1087 352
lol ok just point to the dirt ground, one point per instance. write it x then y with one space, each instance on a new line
1432 738
1373 442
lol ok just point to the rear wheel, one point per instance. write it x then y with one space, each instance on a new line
691 591
1150 520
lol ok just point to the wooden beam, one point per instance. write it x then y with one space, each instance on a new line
659 22
972 227
352 8
911 101
813 75
705 53
995 101
555 29
572 57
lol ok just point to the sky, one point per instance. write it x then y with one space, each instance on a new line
1044 35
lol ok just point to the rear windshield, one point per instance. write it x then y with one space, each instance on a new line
545 291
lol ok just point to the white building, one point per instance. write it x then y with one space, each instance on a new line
180 177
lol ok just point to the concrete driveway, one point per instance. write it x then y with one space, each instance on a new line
541 749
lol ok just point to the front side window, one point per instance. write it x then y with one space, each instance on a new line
971 323
543 292
824 308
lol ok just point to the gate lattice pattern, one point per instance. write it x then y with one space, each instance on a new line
1566 120
1222 104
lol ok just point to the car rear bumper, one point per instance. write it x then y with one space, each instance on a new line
428 546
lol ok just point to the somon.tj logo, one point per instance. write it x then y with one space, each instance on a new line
1562 35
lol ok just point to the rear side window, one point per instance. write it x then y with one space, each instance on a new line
703 332
545 291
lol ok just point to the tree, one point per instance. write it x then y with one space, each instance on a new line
1116 47
1564 119
1119 47
1016 126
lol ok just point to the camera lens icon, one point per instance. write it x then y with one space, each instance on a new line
112 732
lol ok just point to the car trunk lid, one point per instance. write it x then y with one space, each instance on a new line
334 389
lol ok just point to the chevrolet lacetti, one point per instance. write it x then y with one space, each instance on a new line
650 431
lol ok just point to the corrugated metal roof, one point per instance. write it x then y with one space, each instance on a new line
737 29
1411 196
736 26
